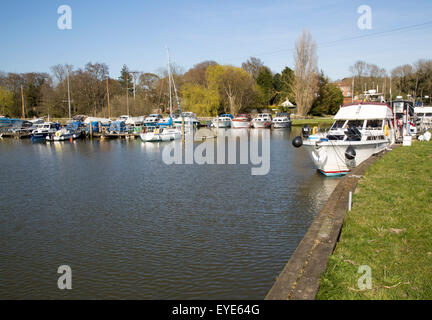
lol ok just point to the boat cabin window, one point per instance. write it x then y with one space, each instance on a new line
428 114
339 124
355 123
420 114
374 124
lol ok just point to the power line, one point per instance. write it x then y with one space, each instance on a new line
333 43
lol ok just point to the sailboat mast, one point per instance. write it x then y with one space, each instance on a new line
169 81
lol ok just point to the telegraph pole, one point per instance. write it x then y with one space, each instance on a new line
22 102
69 103
109 112
127 94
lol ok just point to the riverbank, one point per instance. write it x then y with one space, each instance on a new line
389 229
313 122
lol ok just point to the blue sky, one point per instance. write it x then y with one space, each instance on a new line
136 33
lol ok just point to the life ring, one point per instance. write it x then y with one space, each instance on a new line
315 130
156 131
386 130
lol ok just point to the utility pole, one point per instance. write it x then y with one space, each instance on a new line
22 102
109 112
69 103
127 94
352 90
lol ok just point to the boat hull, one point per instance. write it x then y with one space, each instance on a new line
261 124
240 124
329 157
161 137
282 124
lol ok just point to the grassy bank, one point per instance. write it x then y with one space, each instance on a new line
389 229
313 122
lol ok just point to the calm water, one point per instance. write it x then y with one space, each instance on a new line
131 226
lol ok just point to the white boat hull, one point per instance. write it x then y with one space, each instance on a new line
329 157
282 124
170 135
261 124
241 124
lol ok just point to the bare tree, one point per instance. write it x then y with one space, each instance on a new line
306 74
253 66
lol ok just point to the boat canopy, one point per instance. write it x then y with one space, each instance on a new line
364 111
423 110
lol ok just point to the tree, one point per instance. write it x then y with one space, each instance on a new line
253 66
197 74
6 101
266 85
287 85
329 98
125 77
306 81
200 100
235 86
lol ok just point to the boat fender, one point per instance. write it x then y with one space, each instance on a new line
305 131
386 130
350 153
297 142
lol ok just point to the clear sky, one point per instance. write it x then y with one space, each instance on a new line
136 33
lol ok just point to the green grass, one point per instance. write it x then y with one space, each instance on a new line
389 229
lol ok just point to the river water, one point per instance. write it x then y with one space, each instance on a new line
132 227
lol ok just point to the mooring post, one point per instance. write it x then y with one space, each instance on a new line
349 201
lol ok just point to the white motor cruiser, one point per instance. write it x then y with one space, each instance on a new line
282 120
223 121
241 121
262 120
359 131
190 120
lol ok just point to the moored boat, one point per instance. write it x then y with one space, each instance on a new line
161 134
359 131
43 130
222 121
262 120
241 121
282 120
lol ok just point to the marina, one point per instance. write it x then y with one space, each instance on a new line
231 152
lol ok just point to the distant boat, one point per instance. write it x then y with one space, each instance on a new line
282 120
43 130
223 121
161 134
163 130
241 121
190 120
262 120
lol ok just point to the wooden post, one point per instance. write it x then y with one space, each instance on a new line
91 130
22 102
